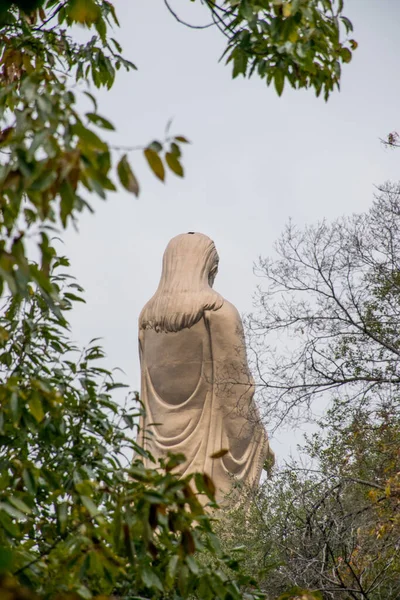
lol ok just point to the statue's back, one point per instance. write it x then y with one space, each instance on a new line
196 385
174 361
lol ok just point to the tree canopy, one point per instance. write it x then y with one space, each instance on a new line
52 157
329 521
79 514
303 42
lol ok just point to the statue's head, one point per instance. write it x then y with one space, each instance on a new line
190 259
190 264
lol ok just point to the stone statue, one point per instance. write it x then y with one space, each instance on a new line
196 385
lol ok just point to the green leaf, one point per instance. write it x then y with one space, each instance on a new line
279 81
92 98
192 564
8 524
156 146
345 55
62 516
240 60
117 45
127 177
6 559
84 592
183 581
29 481
151 579
155 163
44 181
67 201
174 149
19 504
171 570
12 511
347 23
92 508
101 28
88 136
15 407
100 121
74 297
198 478
174 164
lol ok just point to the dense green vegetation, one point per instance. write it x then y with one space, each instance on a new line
77 516
330 520
301 42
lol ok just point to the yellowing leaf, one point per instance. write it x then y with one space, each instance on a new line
155 163
182 139
83 11
287 9
346 55
127 177
174 164
4 335
36 409
209 485
220 453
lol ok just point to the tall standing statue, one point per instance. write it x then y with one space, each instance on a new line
196 385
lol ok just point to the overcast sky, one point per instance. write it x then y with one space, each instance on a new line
255 160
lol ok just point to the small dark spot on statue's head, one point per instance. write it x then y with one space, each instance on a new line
190 232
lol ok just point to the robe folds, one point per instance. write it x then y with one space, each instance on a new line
198 395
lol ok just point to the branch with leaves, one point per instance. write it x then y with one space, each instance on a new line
301 42
52 157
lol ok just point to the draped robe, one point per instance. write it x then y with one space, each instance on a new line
198 394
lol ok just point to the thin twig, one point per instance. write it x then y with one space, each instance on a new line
177 18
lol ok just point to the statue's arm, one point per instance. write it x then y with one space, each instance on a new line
234 382
229 347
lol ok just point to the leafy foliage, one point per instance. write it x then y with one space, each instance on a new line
51 155
330 522
298 41
76 514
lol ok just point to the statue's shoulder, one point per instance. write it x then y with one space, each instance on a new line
225 315
228 310
226 331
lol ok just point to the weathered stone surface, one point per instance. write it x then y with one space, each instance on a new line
196 385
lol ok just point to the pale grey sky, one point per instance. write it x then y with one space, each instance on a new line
255 161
